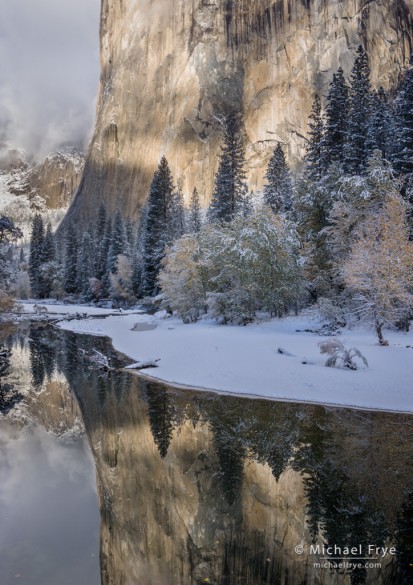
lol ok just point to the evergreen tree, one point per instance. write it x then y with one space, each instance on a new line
177 213
314 157
194 213
118 243
356 151
49 246
378 137
136 279
337 111
130 235
9 233
246 203
85 264
157 235
103 249
230 185
278 190
101 220
70 265
36 255
403 158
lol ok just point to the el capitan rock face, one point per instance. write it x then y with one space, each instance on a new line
170 69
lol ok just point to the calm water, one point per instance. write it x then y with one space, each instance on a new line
191 487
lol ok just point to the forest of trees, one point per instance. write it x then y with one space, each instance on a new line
337 234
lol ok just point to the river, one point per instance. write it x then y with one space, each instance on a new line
108 477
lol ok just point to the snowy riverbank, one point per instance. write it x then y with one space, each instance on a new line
245 360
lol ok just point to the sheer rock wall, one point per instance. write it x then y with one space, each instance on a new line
171 68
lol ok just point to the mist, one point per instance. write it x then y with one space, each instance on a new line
49 71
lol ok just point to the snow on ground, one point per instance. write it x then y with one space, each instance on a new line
60 309
245 360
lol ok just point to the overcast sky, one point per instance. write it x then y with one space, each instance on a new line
49 71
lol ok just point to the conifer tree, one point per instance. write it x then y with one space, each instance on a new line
177 213
278 190
130 235
36 255
49 246
70 265
118 243
136 279
157 235
337 111
194 213
85 267
314 158
246 203
403 158
103 248
378 136
101 220
230 185
356 152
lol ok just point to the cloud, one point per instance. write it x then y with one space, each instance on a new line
49 70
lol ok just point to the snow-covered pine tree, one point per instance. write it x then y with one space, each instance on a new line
157 235
118 243
103 253
356 151
314 159
336 118
230 185
137 256
70 264
85 268
49 246
247 206
9 233
136 278
36 255
176 213
278 190
378 133
403 157
194 213
130 235
313 201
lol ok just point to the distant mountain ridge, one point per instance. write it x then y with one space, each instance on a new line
46 186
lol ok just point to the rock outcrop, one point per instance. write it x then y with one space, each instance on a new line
54 179
171 69
46 186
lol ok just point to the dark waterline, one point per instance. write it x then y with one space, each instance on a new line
195 487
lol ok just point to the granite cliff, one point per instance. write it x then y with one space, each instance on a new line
171 69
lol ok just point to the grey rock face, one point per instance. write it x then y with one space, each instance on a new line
170 69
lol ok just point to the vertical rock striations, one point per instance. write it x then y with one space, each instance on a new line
171 68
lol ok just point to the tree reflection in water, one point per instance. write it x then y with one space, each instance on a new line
356 471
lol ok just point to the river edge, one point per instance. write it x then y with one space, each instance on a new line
234 359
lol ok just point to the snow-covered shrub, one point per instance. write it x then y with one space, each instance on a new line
243 266
22 286
328 312
121 280
181 279
339 356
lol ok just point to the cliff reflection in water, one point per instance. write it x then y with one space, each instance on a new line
200 488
